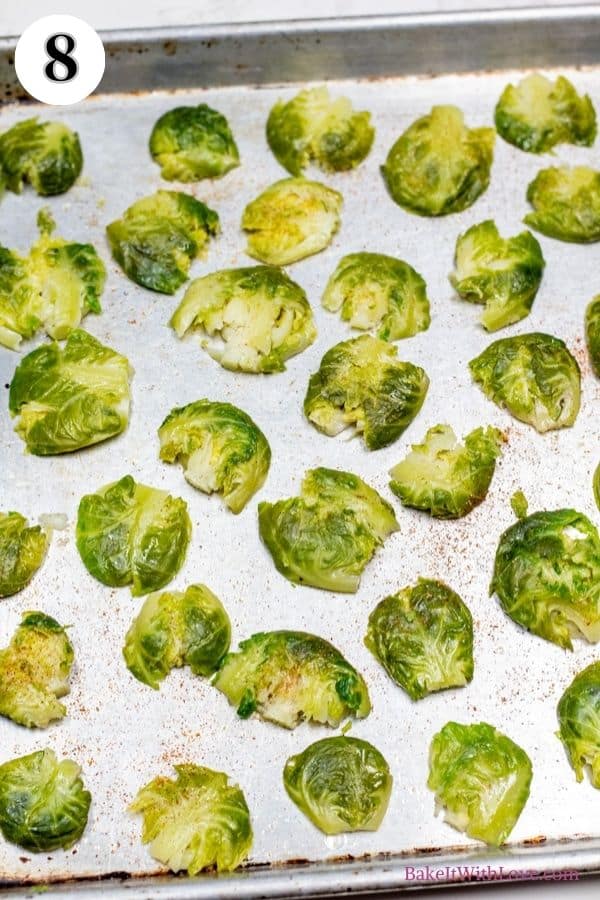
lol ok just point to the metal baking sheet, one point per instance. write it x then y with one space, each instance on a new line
121 731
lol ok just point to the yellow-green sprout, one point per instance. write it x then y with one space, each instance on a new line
193 142
288 677
220 447
129 533
327 535
537 114
22 551
34 672
503 274
46 155
423 638
439 165
44 805
255 318
445 478
70 397
547 576
592 333
375 292
566 204
534 377
176 629
342 784
158 238
481 779
362 383
579 720
195 821
290 220
596 485
313 127
52 288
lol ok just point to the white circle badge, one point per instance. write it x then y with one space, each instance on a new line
59 60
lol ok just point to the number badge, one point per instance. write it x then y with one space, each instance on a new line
59 60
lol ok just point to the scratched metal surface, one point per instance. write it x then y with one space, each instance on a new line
121 731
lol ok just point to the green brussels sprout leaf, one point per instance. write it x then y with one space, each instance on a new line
519 504
46 155
547 575
379 293
423 638
287 677
220 448
43 802
327 535
579 721
34 672
158 238
314 127
362 383
439 165
193 142
177 629
503 274
254 318
480 778
129 533
290 220
537 114
71 397
342 784
445 478
566 204
22 551
534 377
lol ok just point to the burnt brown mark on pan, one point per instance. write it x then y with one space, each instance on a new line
170 48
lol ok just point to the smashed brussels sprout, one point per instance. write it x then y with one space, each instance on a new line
195 821
193 142
177 629
52 288
255 317
378 293
566 204
288 677
129 533
158 238
534 377
327 535
312 127
34 672
70 397
220 448
46 155
22 551
43 802
290 220
547 575
592 333
423 638
341 783
538 113
445 478
480 778
362 383
579 721
503 274
439 165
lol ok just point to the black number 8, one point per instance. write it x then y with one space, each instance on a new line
61 56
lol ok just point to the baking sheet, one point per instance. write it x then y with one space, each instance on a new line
122 732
